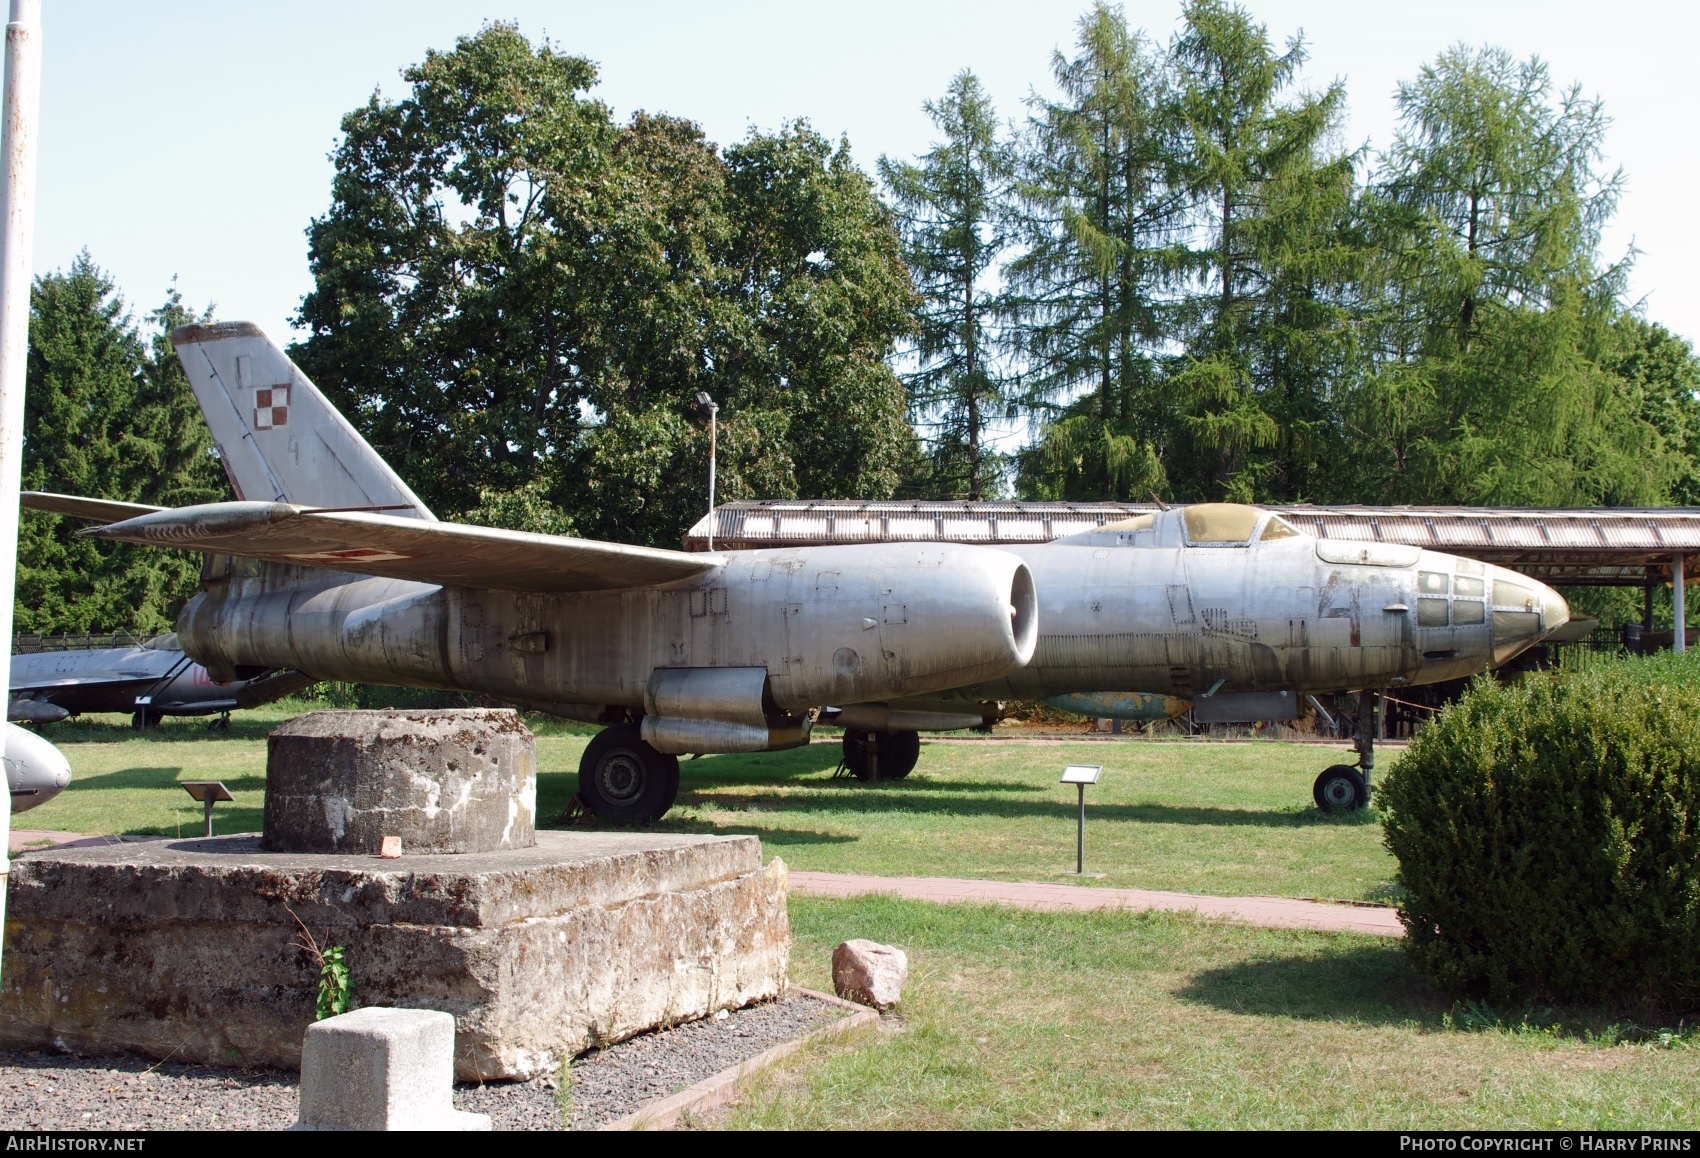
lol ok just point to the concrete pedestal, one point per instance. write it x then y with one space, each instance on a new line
441 780
184 948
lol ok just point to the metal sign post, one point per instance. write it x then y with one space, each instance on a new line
1080 775
208 792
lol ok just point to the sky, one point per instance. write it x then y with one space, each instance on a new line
191 139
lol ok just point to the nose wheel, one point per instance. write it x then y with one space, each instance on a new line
1341 787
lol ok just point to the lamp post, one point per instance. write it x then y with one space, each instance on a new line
18 124
705 403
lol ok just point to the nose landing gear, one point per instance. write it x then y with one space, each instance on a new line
1341 787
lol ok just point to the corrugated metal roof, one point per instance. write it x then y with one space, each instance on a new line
1592 546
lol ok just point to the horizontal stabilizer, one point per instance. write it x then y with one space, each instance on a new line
449 554
100 510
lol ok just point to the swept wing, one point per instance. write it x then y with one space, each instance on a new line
449 554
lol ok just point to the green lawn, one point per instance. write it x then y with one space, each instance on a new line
1015 1019
1020 1019
1196 817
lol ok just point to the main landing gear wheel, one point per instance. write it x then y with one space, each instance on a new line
1340 789
894 754
146 718
622 780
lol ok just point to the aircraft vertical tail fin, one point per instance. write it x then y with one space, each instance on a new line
280 439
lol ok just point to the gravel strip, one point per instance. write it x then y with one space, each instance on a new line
43 1091
612 1082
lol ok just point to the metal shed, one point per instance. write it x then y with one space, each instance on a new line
1590 547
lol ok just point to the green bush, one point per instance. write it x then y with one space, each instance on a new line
1546 834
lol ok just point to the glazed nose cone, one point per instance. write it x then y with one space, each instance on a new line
1525 611
1555 612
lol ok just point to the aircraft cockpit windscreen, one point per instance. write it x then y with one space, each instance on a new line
1278 528
1220 524
166 642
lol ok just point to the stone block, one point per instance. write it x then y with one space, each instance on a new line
450 780
869 973
382 1069
185 948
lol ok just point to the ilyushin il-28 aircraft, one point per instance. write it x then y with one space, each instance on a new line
329 565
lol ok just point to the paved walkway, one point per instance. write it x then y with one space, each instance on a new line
1273 912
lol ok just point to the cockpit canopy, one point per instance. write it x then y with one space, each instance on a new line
1195 525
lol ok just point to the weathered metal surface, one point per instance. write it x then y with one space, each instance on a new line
1121 705
827 624
1146 609
104 510
183 949
1584 546
36 771
279 439
442 780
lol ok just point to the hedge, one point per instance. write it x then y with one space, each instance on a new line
1546 838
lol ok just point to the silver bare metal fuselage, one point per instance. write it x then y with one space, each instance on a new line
828 625
1296 614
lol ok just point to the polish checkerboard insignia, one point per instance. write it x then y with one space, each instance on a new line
271 407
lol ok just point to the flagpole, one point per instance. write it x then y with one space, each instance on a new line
19 121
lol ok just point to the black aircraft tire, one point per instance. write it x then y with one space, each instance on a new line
622 780
1340 788
146 718
898 753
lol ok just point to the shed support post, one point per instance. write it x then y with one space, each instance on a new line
1679 616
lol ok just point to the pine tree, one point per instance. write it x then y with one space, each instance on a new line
952 208
1098 222
107 414
1266 207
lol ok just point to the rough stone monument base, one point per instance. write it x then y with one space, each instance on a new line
186 948
439 779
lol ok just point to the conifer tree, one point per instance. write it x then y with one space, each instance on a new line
1265 206
1098 221
107 413
1491 376
952 208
